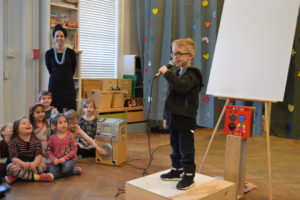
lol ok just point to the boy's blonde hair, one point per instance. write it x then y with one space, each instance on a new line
189 44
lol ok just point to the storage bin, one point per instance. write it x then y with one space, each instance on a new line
118 99
97 84
125 84
102 99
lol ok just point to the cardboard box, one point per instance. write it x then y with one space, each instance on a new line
102 99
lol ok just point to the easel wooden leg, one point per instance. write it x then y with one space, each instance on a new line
213 135
267 130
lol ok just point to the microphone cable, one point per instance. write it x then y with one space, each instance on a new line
120 190
169 66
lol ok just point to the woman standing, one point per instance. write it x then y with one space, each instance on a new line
61 64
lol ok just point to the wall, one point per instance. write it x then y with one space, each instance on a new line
1 60
128 34
20 82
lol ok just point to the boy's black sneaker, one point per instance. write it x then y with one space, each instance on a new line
186 182
173 175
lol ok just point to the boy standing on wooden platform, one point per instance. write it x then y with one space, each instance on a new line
182 100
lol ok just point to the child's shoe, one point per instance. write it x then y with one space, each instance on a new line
77 171
10 179
174 175
186 182
45 177
79 157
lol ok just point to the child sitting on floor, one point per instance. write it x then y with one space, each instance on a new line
45 98
25 152
73 119
41 127
62 148
5 135
88 123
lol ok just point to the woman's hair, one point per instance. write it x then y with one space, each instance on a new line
32 108
16 125
88 101
44 93
59 27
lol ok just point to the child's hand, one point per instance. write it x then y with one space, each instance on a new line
26 165
62 160
101 151
32 166
55 162
165 124
163 69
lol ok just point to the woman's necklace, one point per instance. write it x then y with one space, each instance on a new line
62 58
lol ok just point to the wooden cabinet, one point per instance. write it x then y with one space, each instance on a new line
130 114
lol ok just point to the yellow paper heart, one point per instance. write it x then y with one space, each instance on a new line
298 74
155 11
206 56
204 3
291 107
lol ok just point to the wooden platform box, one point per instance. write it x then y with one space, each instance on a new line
102 99
153 188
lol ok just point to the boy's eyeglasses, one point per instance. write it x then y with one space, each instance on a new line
179 54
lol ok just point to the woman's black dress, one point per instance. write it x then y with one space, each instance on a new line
61 83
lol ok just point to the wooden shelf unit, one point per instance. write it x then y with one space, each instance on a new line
130 114
64 5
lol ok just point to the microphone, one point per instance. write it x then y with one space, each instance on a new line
169 66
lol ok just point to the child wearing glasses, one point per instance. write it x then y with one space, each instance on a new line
180 112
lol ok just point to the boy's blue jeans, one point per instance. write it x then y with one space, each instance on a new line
183 150
62 170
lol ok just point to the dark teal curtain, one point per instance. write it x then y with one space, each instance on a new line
159 22
285 116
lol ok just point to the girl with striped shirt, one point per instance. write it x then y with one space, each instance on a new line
25 152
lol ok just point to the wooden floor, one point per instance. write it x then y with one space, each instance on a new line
104 181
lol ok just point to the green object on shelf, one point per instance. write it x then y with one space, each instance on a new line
134 79
121 115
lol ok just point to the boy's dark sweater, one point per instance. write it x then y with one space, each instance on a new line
183 92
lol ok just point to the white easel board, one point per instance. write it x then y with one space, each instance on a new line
253 49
